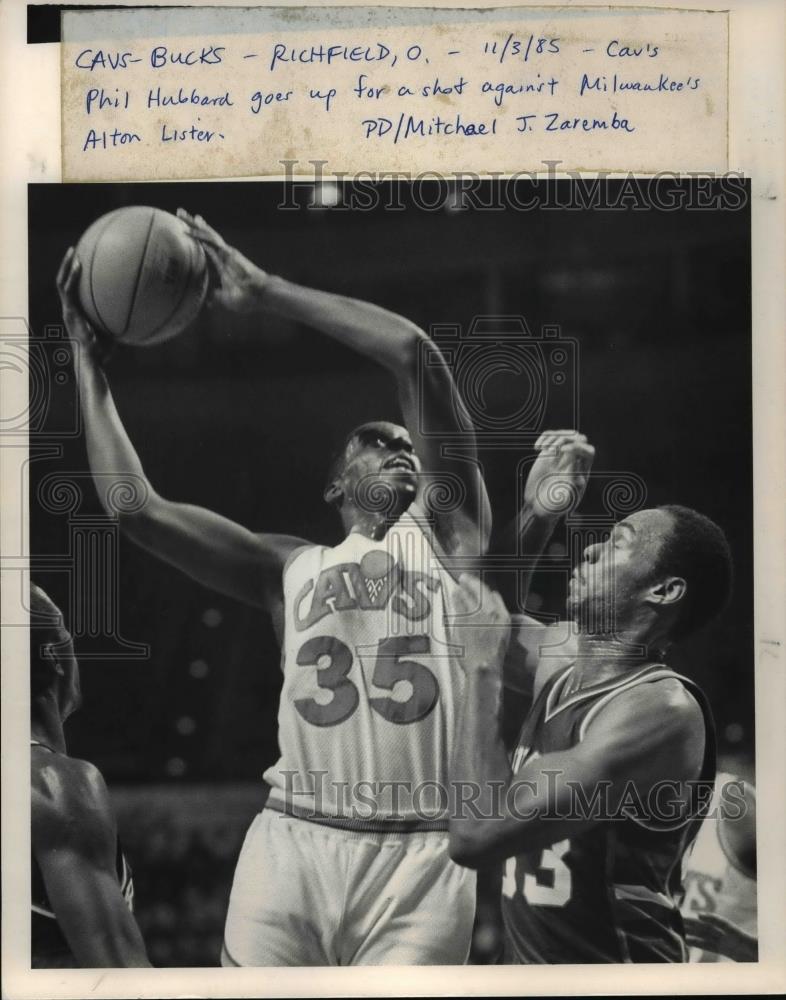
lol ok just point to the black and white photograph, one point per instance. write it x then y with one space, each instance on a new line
391 574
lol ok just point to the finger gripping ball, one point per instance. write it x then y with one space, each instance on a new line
143 278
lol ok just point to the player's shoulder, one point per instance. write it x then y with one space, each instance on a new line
65 791
658 711
295 552
456 534
667 697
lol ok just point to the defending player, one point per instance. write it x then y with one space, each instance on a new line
348 863
82 892
608 781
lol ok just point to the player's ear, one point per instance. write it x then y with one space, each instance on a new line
667 591
49 653
334 493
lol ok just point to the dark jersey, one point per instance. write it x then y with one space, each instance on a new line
608 894
49 948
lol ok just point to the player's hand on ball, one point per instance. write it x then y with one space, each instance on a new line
77 324
241 283
482 625
558 479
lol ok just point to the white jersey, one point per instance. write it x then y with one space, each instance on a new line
371 681
712 878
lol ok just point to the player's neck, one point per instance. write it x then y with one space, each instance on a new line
46 726
370 525
601 657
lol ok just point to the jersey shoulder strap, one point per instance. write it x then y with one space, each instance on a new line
537 712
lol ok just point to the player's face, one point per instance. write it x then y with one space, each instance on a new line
614 577
380 461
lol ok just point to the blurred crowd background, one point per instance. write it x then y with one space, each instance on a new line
242 416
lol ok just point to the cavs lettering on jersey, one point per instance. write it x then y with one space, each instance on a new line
714 880
608 894
371 682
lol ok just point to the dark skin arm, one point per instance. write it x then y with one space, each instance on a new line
210 548
427 393
536 652
74 841
712 932
653 732
554 488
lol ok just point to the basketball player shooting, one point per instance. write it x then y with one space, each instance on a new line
82 892
371 685
607 784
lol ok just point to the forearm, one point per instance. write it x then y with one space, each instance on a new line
502 813
118 946
113 460
376 333
480 769
91 911
526 536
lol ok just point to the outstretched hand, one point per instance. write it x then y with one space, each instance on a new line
241 282
558 478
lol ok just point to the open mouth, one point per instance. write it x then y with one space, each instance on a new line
400 463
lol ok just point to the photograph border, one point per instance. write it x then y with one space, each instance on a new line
30 111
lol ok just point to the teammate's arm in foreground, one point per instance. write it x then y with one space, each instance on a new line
650 733
554 488
721 936
74 841
427 392
208 547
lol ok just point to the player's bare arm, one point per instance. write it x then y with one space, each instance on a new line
652 732
554 488
74 842
717 934
427 392
537 650
212 549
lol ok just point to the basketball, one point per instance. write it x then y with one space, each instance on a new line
143 277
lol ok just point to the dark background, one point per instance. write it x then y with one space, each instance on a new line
242 416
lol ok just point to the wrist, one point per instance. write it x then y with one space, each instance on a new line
262 287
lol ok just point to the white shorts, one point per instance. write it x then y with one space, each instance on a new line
308 894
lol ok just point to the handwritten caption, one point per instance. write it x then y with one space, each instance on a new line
147 97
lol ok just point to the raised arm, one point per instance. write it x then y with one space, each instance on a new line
208 547
426 391
554 488
74 842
